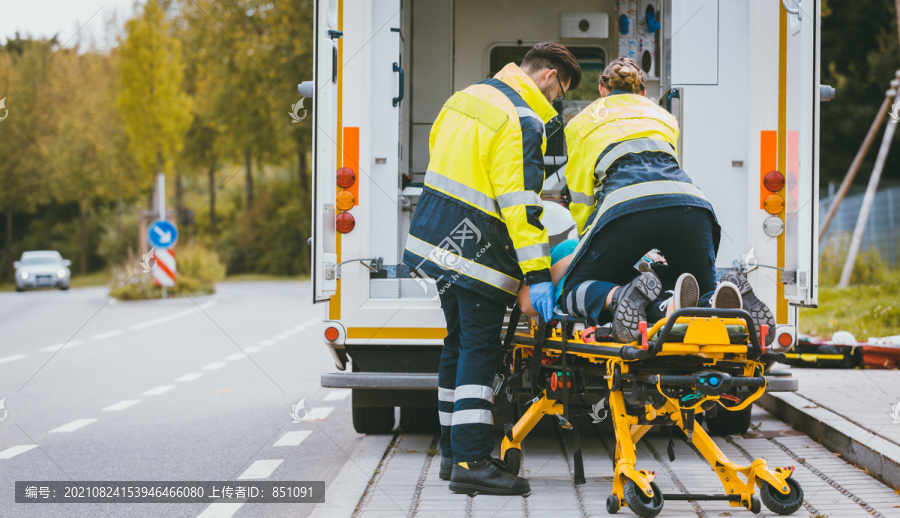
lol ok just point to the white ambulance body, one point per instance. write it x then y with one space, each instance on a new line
742 77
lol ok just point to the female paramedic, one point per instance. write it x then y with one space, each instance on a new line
628 195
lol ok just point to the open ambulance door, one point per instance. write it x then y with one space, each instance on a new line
325 51
801 166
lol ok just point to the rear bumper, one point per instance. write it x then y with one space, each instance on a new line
429 381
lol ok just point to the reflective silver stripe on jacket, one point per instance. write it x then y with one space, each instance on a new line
473 416
630 146
581 198
469 268
463 191
535 251
512 199
474 392
446 418
445 394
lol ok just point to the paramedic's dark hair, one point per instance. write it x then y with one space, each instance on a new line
623 74
557 57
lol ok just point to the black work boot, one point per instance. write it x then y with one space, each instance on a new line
758 309
446 468
488 477
629 306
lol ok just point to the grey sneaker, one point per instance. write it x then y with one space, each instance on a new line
687 292
629 306
726 296
758 309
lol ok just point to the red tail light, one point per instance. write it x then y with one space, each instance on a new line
345 177
331 334
344 222
774 181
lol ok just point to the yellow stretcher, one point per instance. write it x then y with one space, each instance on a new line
695 360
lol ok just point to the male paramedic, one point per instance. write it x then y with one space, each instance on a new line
477 233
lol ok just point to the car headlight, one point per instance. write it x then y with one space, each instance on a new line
23 274
61 274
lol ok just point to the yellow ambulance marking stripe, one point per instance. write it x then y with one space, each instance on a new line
781 313
334 304
436 333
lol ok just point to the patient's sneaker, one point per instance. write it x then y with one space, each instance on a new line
685 295
629 306
726 296
758 309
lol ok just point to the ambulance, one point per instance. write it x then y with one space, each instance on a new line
741 76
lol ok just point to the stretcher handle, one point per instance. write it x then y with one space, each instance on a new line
755 349
633 353
690 380
746 381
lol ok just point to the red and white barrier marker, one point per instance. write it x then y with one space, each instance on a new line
164 273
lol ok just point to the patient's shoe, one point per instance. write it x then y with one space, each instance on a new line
687 293
629 306
726 296
758 309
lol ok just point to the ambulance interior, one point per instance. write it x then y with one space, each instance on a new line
448 46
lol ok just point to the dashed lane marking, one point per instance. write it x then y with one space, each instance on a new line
261 469
108 334
13 358
191 376
68 345
235 356
337 395
15 450
213 366
173 316
155 391
293 438
74 425
220 510
319 413
122 405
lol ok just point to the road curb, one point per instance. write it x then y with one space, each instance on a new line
879 457
343 494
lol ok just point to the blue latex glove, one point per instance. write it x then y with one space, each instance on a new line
541 295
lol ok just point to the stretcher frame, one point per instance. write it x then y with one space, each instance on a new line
671 378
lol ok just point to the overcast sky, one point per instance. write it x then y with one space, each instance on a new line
44 18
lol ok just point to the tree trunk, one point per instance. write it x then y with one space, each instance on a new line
212 198
248 177
301 168
84 238
179 195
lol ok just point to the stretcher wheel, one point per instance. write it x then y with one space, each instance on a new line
513 460
755 506
780 503
612 504
641 504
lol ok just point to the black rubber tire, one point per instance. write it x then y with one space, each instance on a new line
779 503
513 460
638 502
63 288
20 289
612 504
727 422
419 420
374 420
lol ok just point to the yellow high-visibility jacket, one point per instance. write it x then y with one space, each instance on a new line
477 223
622 158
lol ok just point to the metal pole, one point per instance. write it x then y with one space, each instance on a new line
857 161
161 195
856 241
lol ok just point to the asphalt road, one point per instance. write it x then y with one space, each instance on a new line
177 389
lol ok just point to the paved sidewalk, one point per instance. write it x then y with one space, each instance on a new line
850 412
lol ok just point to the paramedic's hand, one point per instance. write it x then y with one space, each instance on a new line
541 295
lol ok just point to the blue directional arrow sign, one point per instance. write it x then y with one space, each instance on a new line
162 234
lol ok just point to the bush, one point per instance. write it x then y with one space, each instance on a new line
198 270
869 268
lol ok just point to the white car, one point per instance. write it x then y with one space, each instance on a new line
42 269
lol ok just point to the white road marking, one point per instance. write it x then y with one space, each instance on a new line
235 356
15 450
293 438
68 345
13 358
108 334
267 342
74 425
191 376
319 413
213 366
155 391
337 395
254 349
261 469
282 336
173 316
122 405
220 510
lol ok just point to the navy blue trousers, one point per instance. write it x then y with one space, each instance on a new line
682 234
469 360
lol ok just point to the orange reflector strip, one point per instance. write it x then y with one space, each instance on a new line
768 161
351 157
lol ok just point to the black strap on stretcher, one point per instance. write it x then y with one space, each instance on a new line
537 354
569 379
